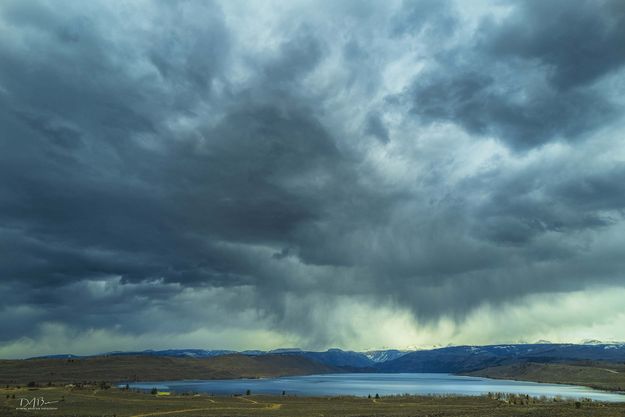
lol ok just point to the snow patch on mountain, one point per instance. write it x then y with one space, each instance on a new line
379 356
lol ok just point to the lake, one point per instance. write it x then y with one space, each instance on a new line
362 384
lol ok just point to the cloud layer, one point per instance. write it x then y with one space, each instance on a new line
234 175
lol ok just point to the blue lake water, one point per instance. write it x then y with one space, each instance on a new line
383 384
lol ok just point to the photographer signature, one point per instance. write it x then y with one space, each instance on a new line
35 403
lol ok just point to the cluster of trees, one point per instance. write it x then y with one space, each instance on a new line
33 384
520 399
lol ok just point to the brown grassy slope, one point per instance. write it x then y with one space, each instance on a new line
607 376
152 368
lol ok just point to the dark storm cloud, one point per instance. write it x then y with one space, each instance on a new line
159 160
96 185
527 207
526 79
435 18
577 44
375 126
485 106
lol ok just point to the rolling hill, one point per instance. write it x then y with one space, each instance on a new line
154 368
600 375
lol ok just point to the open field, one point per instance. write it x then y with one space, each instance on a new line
152 368
599 375
122 403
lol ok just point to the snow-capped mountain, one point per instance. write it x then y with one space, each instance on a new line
379 356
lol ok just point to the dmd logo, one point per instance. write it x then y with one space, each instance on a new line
35 403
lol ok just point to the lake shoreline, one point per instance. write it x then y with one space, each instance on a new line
597 388
363 385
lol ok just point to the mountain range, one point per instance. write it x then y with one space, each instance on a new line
453 359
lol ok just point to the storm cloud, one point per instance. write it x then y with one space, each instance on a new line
353 174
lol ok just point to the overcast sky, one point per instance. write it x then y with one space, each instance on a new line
354 174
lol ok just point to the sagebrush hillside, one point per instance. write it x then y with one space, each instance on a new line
154 368
600 375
